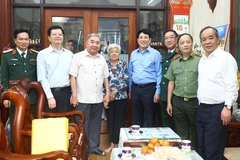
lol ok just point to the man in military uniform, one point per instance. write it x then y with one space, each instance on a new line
170 41
18 63
182 89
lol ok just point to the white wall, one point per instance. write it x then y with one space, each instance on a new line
201 16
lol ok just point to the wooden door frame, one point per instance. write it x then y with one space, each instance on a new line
132 42
91 26
118 14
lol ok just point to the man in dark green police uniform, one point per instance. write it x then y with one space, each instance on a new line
170 41
182 89
18 63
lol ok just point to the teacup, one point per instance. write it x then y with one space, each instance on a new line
126 152
186 145
135 128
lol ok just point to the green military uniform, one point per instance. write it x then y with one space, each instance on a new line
167 120
14 67
184 73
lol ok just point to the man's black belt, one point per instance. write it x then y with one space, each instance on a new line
186 99
144 85
58 89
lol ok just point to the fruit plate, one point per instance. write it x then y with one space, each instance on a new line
126 158
133 133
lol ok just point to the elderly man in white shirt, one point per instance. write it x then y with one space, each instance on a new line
217 91
89 72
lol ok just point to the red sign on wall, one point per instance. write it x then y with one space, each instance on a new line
180 15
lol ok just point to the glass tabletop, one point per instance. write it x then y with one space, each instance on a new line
148 133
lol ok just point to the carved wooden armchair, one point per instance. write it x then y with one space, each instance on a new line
233 139
5 148
21 129
78 144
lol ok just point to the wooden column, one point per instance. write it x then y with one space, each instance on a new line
233 26
5 34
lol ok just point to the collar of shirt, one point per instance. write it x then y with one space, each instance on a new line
191 55
214 53
145 51
172 50
20 52
51 50
89 55
119 62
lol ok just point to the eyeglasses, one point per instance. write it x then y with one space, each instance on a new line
169 38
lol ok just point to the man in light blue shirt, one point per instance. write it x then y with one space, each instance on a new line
53 65
144 80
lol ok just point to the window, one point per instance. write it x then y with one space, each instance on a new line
28 18
152 3
93 2
155 22
26 1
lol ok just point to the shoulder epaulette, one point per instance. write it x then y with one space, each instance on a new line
33 50
177 50
176 56
9 50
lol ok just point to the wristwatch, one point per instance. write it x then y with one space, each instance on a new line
228 107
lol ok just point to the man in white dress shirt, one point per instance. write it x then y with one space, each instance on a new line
217 91
53 65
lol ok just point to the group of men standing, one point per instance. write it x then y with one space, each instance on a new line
79 79
197 93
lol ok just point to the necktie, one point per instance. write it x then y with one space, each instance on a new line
23 55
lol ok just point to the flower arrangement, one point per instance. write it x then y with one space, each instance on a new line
197 48
7 47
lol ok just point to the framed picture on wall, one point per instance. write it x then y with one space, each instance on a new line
223 34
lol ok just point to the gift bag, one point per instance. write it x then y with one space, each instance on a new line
49 134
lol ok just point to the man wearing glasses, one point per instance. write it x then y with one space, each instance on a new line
170 41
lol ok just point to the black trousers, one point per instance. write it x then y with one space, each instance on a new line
184 117
116 119
62 97
211 133
143 107
167 121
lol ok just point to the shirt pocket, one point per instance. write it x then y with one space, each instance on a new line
193 71
100 69
32 63
14 63
178 71
214 74
178 76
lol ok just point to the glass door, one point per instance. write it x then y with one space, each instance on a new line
116 27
